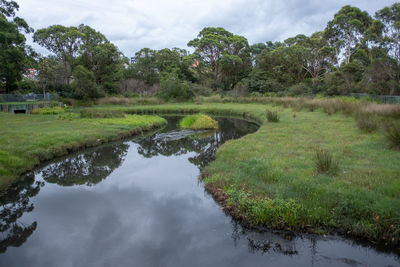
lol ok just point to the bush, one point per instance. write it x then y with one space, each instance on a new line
200 90
240 90
324 162
272 116
366 123
298 89
173 89
48 111
392 133
84 84
68 116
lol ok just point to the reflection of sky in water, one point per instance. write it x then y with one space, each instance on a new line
154 212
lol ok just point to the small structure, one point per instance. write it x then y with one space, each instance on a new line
17 103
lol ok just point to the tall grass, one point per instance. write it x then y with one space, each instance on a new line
349 106
324 162
272 116
366 123
392 133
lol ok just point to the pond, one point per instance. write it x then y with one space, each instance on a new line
140 203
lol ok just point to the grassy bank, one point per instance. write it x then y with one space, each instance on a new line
27 140
270 177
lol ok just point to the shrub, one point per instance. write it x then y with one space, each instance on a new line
298 89
240 90
200 90
173 89
48 111
324 162
272 116
392 133
113 101
68 116
84 84
366 123
198 122
95 113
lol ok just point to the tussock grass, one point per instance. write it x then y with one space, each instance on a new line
198 122
347 105
392 133
272 116
324 162
366 123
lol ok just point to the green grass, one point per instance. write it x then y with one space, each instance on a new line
198 122
48 111
27 140
269 178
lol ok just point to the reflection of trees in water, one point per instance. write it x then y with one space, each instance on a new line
203 144
96 164
87 168
13 204
264 242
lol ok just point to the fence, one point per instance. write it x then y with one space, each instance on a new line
4 98
388 99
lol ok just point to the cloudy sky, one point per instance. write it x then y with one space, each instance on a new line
134 24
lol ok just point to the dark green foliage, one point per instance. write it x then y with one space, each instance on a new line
272 116
13 56
392 133
173 89
299 89
324 162
226 55
84 84
200 90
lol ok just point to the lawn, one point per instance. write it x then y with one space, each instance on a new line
27 140
269 178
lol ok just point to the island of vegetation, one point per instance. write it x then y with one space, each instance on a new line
325 158
198 122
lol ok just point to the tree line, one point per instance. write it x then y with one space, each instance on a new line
355 53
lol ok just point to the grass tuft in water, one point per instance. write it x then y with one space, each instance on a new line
198 122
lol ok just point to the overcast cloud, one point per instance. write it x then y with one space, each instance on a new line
157 24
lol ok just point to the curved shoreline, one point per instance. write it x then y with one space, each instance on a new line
218 186
64 149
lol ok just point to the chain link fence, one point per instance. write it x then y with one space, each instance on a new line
387 99
5 98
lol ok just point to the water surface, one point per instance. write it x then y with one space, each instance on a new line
140 203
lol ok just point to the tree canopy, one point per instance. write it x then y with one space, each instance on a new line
355 53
